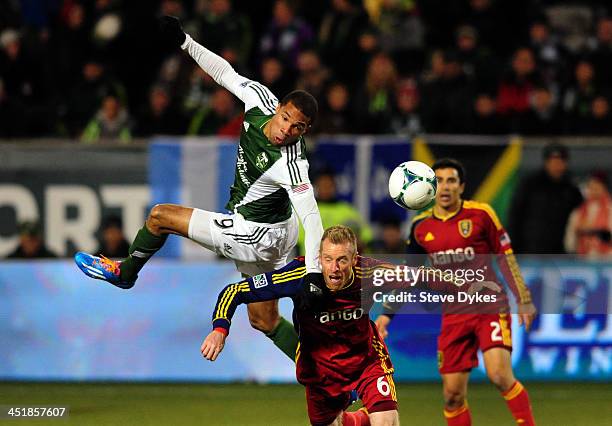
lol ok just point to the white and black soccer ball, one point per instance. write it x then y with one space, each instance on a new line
412 185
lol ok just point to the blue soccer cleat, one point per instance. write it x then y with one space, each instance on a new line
101 268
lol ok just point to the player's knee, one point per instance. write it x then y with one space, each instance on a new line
501 378
157 216
453 398
264 323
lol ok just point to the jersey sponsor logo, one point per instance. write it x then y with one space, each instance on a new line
260 281
241 167
458 255
300 188
345 315
262 160
429 237
465 227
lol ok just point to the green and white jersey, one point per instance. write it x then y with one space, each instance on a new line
265 173
269 180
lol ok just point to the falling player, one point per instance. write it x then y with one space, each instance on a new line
461 233
340 348
271 180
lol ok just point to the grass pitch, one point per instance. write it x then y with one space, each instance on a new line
251 404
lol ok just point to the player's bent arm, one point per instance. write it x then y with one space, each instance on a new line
249 92
283 282
305 205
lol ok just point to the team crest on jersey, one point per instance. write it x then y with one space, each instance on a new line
260 281
429 237
465 227
246 126
262 160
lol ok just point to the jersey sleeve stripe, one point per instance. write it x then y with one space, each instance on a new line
268 93
271 101
227 298
228 303
266 102
291 278
295 162
292 271
291 172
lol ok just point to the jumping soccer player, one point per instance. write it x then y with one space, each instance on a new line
461 233
271 180
340 348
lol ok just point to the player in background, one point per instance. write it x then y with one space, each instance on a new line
463 233
340 348
271 181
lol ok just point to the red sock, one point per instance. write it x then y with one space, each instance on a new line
517 399
459 417
355 418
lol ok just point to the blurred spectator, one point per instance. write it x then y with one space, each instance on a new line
88 94
225 31
313 76
479 64
23 86
543 118
336 116
375 101
516 87
287 35
589 226
400 30
336 212
406 119
221 117
111 123
274 76
550 55
338 37
31 243
601 49
600 119
160 116
70 43
445 100
579 95
391 240
198 91
484 119
113 243
542 204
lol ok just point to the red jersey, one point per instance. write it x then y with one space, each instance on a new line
338 341
471 238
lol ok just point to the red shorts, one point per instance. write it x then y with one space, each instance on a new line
375 388
458 343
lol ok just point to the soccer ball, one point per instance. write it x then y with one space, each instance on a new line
412 185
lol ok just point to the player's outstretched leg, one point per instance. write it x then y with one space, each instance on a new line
163 219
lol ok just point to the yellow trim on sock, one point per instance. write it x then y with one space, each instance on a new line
458 411
514 391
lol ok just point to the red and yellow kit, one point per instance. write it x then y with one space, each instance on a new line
340 349
471 238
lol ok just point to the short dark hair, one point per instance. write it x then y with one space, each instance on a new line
303 101
450 163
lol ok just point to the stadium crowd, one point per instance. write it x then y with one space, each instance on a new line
98 69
